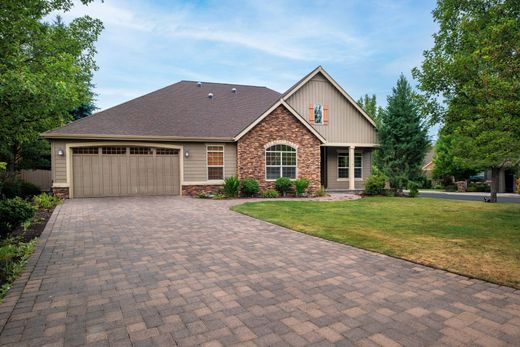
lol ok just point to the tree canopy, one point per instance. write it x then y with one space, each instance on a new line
471 79
403 137
45 70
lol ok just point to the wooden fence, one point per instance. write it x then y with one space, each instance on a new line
41 178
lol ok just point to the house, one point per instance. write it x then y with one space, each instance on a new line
427 165
188 137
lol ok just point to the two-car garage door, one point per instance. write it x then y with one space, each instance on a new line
125 171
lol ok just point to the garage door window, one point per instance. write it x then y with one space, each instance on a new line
166 151
215 155
114 150
141 150
85 150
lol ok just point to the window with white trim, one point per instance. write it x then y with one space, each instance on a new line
343 164
215 162
318 114
280 161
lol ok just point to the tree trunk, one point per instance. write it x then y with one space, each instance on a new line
495 171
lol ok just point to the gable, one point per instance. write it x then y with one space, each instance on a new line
297 117
346 122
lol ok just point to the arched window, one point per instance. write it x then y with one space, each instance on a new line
280 160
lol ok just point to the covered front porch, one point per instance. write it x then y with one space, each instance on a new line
345 167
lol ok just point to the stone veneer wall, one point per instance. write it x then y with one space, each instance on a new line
193 190
61 192
281 126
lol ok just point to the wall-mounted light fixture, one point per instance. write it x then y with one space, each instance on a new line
186 154
61 152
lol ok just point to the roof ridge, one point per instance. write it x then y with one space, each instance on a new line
229 84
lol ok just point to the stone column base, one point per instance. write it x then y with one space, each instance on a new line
61 192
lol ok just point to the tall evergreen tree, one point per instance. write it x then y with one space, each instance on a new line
403 137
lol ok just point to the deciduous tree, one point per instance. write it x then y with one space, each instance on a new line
45 70
471 79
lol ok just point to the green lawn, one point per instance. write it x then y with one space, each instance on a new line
473 238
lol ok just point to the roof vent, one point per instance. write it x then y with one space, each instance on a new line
199 84
210 95
233 90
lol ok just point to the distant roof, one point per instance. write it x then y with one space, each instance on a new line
180 110
428 158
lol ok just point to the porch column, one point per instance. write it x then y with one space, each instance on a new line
351 180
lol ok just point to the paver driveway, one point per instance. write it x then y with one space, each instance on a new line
166 271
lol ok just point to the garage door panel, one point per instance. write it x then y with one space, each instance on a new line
136 172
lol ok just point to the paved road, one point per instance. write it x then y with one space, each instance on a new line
165 271
513 198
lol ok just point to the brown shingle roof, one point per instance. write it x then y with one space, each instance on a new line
182 109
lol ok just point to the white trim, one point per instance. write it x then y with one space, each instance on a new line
281 142
135 137
290 109
203 183
70 146
423 168
60 185
223 161
347 152
338 144
336 85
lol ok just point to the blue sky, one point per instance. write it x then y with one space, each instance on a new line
363 44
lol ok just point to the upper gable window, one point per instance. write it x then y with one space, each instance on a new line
318 114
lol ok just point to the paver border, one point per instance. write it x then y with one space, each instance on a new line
16 290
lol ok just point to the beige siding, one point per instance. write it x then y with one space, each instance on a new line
346 123
332 169
195 169
194 166
58 163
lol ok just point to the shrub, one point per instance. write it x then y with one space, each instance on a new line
219 196
46 201
450 188
18 187
320 192
478 187
202 195
249 187
375 185
301 185
231 186
414 189
270 194
14 212
283 185
424 182
13 257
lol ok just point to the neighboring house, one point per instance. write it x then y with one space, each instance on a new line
427 168
187 137
506 177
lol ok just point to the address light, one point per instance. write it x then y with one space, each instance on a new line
61 152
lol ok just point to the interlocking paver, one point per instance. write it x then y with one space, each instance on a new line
164 271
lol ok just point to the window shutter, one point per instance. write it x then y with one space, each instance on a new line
311 113
325 114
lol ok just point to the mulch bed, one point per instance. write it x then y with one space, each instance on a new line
36 228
